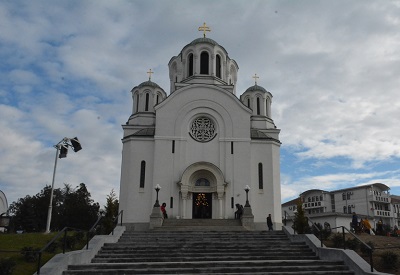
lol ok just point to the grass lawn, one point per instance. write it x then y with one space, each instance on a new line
13 243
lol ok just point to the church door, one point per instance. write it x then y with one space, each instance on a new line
202 206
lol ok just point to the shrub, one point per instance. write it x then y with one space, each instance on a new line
30 254
389 260
352 244
52 247
337 240
70 242
79 236
364 250
7 266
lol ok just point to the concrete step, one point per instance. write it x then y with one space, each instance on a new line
223 267
207 251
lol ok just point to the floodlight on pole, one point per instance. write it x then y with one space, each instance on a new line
61 152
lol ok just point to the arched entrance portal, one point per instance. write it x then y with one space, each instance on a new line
203 185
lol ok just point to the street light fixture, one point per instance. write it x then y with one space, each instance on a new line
157 188
247 189
61 152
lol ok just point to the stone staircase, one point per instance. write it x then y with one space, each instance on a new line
220 247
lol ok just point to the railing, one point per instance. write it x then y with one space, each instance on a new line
89 234
370 249
320 233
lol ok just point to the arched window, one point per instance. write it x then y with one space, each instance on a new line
218 66
137 103
190 72
344 209
349 209
258 105
157 98
147 102
248 102
204 63
260 176
142 173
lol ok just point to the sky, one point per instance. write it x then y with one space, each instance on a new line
67 68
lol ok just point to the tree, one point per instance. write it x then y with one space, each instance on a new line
300 223
79 210
110 211
73 208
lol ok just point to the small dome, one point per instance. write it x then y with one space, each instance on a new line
204 40
148 83
256 88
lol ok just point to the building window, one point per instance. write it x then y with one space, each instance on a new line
349 209
190 71
231 147
137 103
248 102
147 102
204 63
344 196
173 147
348 195
258 105
171 202
202 182
142 173
157 98
218 66
260 176
345 209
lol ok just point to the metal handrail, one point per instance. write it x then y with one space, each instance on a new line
318 230
65 230
121 213
370 249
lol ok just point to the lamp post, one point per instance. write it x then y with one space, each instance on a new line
61 152
247 189
157 188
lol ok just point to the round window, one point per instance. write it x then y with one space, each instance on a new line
202 129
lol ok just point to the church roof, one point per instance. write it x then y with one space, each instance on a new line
145 132
256 88
257 134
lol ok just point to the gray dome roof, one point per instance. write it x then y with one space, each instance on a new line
148 83
256 88
204 40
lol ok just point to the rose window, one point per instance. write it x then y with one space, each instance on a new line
202 129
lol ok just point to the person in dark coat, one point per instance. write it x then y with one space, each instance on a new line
269 223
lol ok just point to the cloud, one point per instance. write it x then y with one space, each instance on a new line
332 68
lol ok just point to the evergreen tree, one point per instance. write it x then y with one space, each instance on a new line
300 223
110 211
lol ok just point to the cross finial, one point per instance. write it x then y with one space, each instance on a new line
255 78
150 72
204 29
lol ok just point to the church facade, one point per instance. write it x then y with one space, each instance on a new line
201 143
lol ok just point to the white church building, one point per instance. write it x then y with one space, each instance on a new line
201 143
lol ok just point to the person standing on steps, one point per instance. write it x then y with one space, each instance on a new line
269 223
164 212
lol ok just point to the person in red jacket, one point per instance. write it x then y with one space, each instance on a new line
164 212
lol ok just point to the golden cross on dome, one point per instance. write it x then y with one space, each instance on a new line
255 78
150 72
204 29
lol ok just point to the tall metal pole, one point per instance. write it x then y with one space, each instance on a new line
52 190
